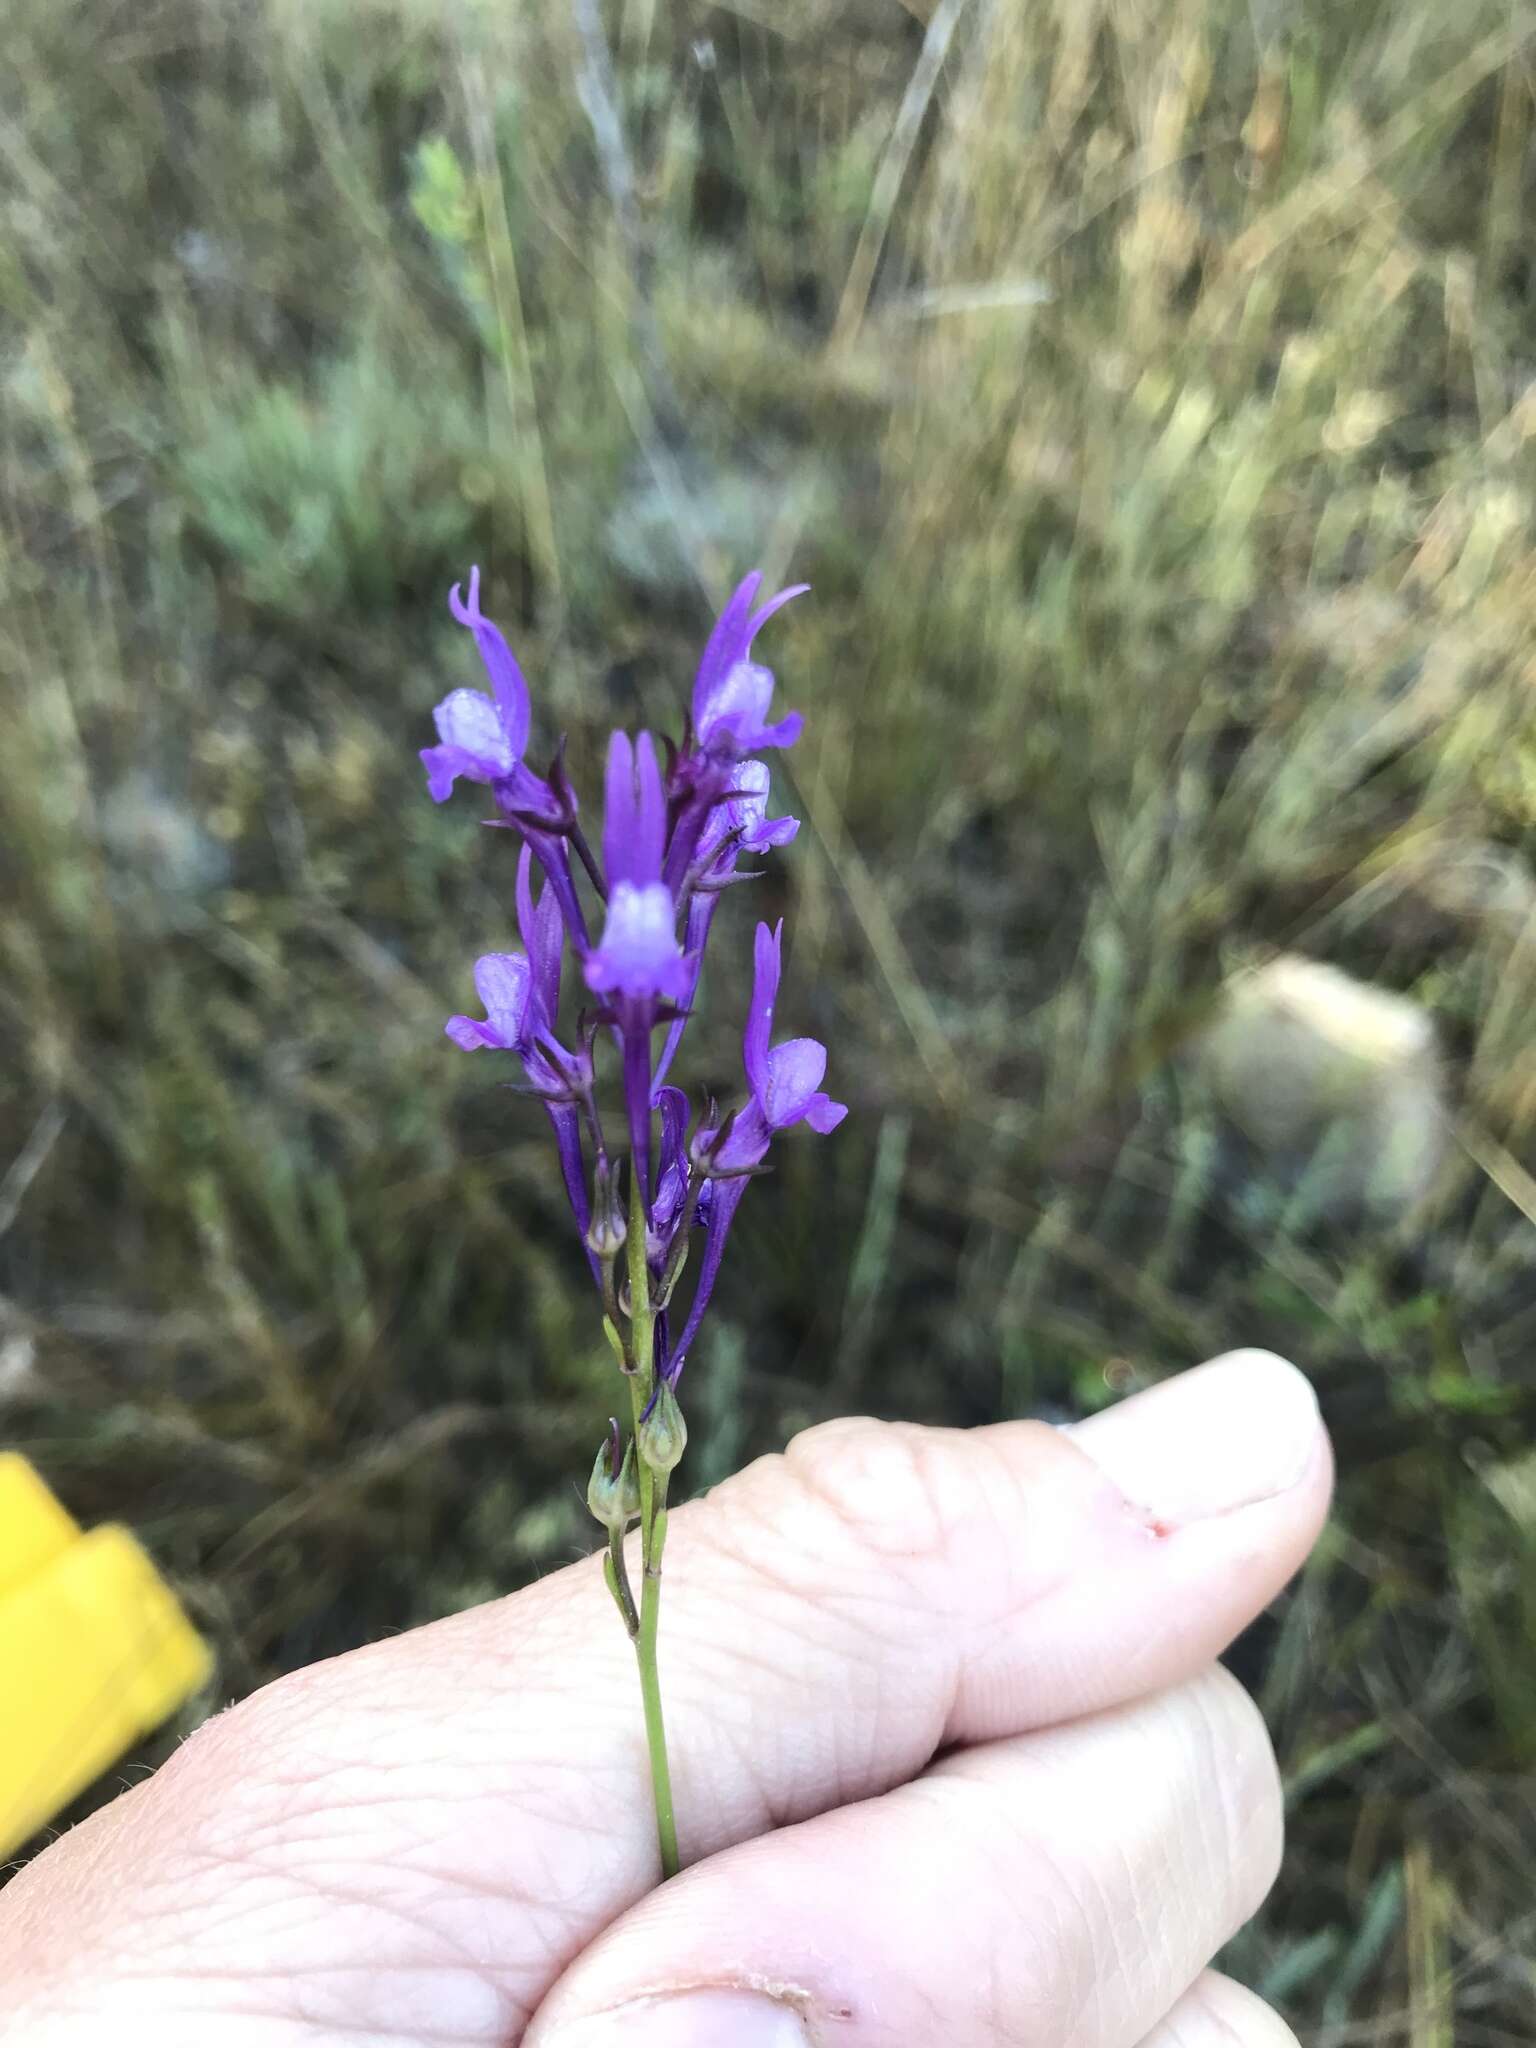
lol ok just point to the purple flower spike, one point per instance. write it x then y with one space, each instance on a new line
674 840
730 693
482 738
639 957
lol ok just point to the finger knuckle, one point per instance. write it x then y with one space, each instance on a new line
892 1487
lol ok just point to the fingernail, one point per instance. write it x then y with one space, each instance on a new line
696 2019
1227 1435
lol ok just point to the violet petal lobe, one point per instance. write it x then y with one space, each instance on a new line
635 813
672 1160
618 809
475 1035
766 968
823 1114
543 935
748 811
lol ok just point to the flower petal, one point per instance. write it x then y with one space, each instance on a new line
469 722
635 812
543 934
717 719
727 644
784 734
639 954
505 985
650 812
473 1035
671 1162
776 603
766 968
747 810
823 1114
618 809
740 702
444 766
506 678
795 1072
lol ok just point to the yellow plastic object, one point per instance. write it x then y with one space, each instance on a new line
33 1526
94 1652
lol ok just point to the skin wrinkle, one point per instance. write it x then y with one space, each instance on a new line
864 1647
1238 1803
836 1613
445 1955
527 1907
787 1558
300 1708
1061 1975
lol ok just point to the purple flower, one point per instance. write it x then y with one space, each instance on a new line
504 983
672 1170
639 957
521 994
743 811
639 963
482 738
738 824
786 1089
731 694
785 1079
673 843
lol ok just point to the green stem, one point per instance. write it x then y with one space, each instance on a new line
653 1531
617 1576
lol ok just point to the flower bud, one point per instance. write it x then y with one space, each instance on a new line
607 1230
613 1491
663 1435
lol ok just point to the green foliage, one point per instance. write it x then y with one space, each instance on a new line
295 492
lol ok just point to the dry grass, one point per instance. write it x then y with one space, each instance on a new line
1145 390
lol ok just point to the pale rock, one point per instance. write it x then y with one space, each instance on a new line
1336 1083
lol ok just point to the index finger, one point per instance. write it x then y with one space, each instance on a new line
415 1840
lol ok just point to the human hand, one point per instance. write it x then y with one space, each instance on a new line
952 1761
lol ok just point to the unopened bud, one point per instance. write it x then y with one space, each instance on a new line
607 1230
663 1434
613 1491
